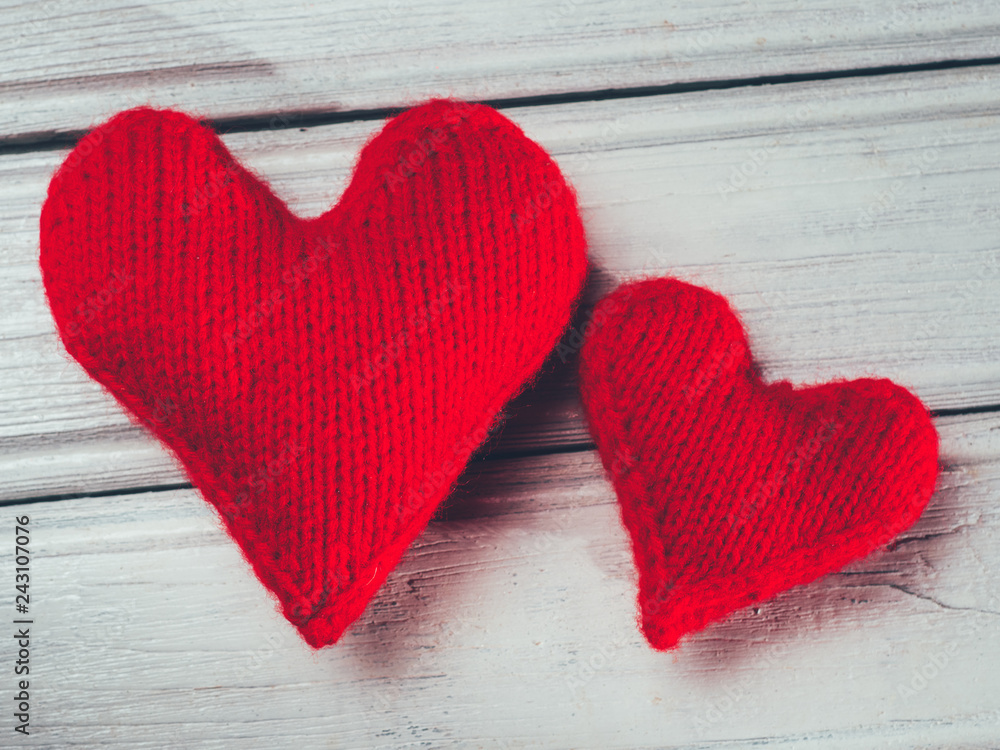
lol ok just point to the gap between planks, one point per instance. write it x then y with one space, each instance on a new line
290 119
806 277
518 605
233 60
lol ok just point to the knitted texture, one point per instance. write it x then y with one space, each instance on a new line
323 381
733 490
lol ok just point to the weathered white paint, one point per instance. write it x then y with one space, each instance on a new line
510 625
864 239
66 65
853 223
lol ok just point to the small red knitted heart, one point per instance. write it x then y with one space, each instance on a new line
733 490
323 381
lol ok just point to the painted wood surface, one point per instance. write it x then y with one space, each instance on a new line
853 233
510 624
854 222
67 65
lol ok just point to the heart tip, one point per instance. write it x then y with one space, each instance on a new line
663 640
318 633
664 632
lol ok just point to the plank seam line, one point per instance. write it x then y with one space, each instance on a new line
41 141
965 411
97 493
476 463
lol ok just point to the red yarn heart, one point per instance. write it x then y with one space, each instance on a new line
733 490
323 381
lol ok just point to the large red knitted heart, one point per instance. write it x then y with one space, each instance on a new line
733 490
323 381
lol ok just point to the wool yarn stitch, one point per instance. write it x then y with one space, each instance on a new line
733 490
323 381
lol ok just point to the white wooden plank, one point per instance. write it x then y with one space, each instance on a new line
510 625
865 242
67 65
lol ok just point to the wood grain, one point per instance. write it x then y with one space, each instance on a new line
67 66
854 225
509 624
